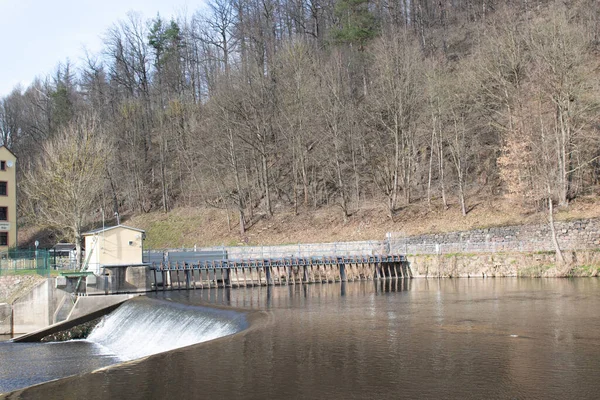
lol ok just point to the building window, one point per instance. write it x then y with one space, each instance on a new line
3 238
3 213
2 165
3 188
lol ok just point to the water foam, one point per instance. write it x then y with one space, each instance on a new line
143 326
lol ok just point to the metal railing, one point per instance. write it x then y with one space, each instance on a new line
281 251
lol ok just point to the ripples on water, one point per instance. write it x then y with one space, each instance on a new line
461 338
26 364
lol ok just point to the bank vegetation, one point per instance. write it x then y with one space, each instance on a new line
258 107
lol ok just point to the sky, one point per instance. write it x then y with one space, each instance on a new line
36 35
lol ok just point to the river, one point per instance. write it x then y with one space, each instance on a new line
509 338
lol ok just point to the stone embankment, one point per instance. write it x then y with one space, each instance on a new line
573 235
579 234
582 263
11 287
523 250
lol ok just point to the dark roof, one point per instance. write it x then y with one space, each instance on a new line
108 228
63 247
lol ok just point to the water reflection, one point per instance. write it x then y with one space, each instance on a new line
463 338
267 297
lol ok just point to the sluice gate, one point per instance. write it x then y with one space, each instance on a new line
277 271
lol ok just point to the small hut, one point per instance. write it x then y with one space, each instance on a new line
113 246
64 254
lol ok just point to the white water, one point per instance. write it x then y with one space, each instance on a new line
142 327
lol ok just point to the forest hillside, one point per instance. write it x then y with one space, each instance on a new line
359 115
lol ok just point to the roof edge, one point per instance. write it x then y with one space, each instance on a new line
9 150
108 228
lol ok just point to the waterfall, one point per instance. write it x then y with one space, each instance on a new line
143 326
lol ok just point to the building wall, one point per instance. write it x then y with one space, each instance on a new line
9 200
119 246
90 253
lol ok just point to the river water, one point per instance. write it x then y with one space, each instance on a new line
422 338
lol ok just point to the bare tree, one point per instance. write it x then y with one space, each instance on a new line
394 103
63 189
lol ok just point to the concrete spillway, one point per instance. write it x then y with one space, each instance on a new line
143 326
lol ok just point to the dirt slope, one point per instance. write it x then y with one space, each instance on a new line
186 227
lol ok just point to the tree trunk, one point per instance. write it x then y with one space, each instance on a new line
78 250
113 189
242 221
394 197
559 255
461 195
240 194
441 168
342 189
304 178
265 171
356 176
564 156
430 171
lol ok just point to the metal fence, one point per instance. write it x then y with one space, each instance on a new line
63 263
280 251
307 250
25 262
182 255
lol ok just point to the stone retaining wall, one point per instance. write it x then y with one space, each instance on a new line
579 234
573 235
579 263
12 286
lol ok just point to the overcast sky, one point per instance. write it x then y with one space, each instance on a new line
35 35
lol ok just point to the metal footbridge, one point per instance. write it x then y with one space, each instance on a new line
192 274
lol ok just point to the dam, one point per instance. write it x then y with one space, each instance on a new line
277 271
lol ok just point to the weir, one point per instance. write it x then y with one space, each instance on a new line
143 326
277 271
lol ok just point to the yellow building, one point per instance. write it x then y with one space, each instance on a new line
8 199
112 246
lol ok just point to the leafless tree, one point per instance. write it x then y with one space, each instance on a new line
63 189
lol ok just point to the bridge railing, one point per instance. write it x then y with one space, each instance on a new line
307 250
261 252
